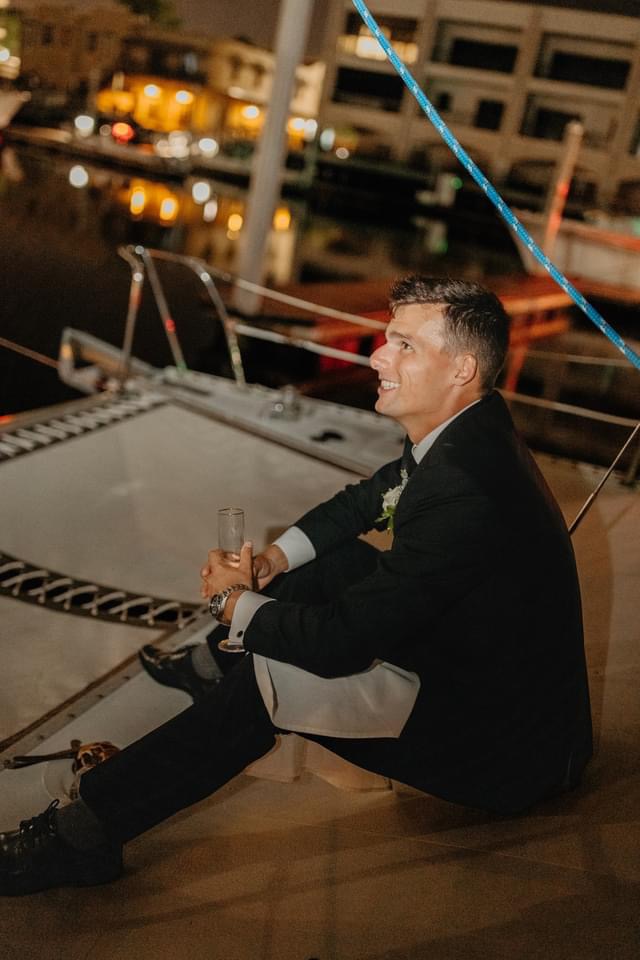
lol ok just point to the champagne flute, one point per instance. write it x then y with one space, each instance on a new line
231 531
230 540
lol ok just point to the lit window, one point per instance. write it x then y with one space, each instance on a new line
137 201
282 219
84 124
210 210
369 48
327 138
201 191
179 144
208 146
168 209
78 177
191 62
310 129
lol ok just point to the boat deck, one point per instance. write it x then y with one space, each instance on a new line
293 871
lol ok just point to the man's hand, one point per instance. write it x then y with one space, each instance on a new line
265 567
269 564
220 572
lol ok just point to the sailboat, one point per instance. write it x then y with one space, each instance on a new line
602 248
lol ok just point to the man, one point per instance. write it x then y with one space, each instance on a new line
453 662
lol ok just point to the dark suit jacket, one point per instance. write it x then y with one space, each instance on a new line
478 595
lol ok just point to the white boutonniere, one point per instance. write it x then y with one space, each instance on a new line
390 501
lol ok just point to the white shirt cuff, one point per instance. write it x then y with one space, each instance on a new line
246 605
296 546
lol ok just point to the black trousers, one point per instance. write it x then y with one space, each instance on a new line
202 748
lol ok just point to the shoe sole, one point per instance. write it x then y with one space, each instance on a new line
23 889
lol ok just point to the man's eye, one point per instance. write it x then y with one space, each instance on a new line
405 345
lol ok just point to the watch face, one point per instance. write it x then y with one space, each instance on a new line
215 604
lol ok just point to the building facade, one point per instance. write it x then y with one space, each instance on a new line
506 77
168 81
98 56
67 47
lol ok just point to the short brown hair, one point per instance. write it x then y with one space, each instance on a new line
474 319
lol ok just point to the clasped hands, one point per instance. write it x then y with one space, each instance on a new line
223 570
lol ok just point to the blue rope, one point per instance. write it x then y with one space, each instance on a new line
503 208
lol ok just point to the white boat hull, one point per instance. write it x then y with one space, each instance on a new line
585 250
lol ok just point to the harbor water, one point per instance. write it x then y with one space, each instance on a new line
62 220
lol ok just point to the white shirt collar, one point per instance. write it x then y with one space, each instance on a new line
420 449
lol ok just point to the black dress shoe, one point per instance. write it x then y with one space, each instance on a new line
175 670
35 857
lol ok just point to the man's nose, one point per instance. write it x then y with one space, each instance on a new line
377 358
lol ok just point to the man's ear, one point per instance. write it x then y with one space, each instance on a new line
466 369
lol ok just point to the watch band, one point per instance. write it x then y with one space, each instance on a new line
218 601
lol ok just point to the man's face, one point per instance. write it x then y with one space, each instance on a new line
417 378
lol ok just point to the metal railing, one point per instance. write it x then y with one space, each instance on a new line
141 261
555 406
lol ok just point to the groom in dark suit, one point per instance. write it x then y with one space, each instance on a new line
453 661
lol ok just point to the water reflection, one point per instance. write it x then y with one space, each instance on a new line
206 218
10 168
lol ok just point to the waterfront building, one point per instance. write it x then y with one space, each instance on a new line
160 82
506 77
169 81
244 74
99 56
68 49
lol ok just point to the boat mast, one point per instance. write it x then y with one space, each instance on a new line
559 190
266 174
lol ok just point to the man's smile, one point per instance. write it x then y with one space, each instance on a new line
388 384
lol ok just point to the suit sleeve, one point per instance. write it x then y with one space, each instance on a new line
352 511
441 551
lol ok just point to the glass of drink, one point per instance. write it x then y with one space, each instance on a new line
230 540
231 530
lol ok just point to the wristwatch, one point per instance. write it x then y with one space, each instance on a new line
218 601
